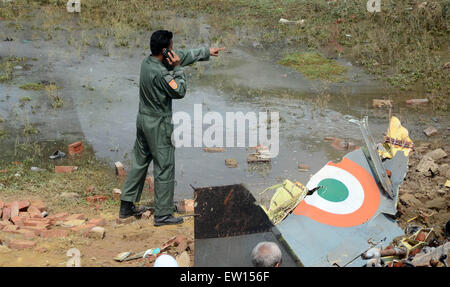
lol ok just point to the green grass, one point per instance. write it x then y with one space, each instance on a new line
32 86
315 66
23 100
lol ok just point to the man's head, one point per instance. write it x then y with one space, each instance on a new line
160 39
266 254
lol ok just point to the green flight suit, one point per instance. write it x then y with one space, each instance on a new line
157 87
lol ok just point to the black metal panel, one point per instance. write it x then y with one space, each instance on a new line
227 211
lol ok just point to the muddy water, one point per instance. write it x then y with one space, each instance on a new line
100 94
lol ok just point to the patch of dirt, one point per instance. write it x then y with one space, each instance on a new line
423 198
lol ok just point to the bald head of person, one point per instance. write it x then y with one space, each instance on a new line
266 254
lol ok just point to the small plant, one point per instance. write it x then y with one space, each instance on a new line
56 100
33 86
23 100
28 129
315 66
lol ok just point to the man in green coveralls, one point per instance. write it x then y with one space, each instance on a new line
161 80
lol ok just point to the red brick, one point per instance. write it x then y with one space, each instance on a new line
6 213
14 209
54 233
41 249
37 221
4 223
65 169
90 189
59 216
75 148
36 229
82 229
96 198
34 212
97 221
26 233
24 214
21 244
120 170
39 204
23 205
10 228
76 216
17 220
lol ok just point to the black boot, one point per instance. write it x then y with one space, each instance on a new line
167 219
128 209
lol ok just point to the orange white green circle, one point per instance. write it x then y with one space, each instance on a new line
348 195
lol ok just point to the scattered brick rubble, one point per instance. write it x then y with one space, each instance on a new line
26 218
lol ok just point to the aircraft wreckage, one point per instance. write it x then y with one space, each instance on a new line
344 210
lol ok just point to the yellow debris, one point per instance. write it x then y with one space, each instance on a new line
396 139
286 197
447 183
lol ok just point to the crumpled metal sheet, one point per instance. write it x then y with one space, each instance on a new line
318 244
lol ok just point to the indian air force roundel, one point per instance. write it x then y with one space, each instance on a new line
349 195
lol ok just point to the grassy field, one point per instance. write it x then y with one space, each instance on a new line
405 44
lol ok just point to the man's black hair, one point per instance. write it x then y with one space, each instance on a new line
160 39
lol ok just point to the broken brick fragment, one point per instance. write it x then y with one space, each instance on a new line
10 228
214 149
37 229
59 216
6 213
97 221
120 170
54 233
17 220
65 169
75 149
96 198
34 212
39 205
4 223
23 205
14 209
21 244
26 233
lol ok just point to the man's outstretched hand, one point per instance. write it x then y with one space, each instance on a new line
215 51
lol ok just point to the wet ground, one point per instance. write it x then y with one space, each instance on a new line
100 91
